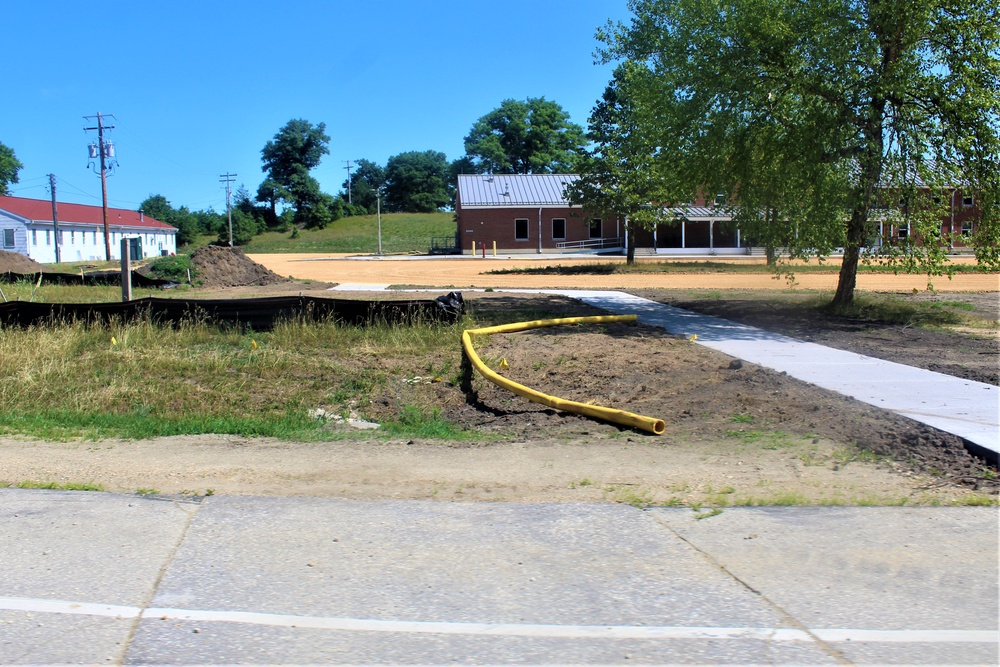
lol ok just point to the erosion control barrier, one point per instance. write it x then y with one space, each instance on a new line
622 417
258 314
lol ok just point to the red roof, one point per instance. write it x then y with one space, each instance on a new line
41 210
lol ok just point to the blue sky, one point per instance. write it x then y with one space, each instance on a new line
198 88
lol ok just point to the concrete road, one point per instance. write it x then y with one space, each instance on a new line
109 579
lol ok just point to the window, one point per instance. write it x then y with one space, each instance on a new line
595 229
95 238
967 228
48 239
559 228
903 231
720 199
34 237
8 238
968 201
520 229
72 238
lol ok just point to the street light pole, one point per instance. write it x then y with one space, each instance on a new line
378 210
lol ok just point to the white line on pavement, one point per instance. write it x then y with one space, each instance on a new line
500 629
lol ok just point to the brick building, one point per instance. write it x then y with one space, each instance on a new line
530 213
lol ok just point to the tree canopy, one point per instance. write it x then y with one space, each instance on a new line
189 224
9 166
618 175
530 137
823 117
365 182
287 159
417 182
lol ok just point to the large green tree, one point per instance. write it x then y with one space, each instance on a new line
535 136
189 224
417 182
297 148
9 166
365 182
618 174
823 117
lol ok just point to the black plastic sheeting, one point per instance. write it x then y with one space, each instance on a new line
259 314
92 278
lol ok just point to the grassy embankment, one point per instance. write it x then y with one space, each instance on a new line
401 232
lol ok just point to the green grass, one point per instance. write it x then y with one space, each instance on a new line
70 381
889 309
416 422
24 290
401 232
60 486
172 268
629 495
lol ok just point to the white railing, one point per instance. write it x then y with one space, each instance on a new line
591 244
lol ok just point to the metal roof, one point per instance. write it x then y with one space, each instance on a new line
513 189
700 213
40 210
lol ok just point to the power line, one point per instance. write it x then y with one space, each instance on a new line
29 187
83 192
158 154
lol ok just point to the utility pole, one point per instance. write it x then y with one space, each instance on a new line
55 215
348 168
227 178
378 210
104 150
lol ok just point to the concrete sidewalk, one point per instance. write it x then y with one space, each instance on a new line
968 409
109 579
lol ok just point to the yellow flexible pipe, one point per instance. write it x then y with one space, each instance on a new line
607 414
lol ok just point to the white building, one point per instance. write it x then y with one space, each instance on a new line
26 227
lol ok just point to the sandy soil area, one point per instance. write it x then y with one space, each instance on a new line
464 272
628 469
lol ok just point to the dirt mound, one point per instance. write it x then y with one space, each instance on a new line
18 263
218 266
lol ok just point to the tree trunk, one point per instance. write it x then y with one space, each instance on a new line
889 36
852 253
772 254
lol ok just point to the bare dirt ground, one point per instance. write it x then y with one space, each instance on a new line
734 435
218 266
15 262
466 272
